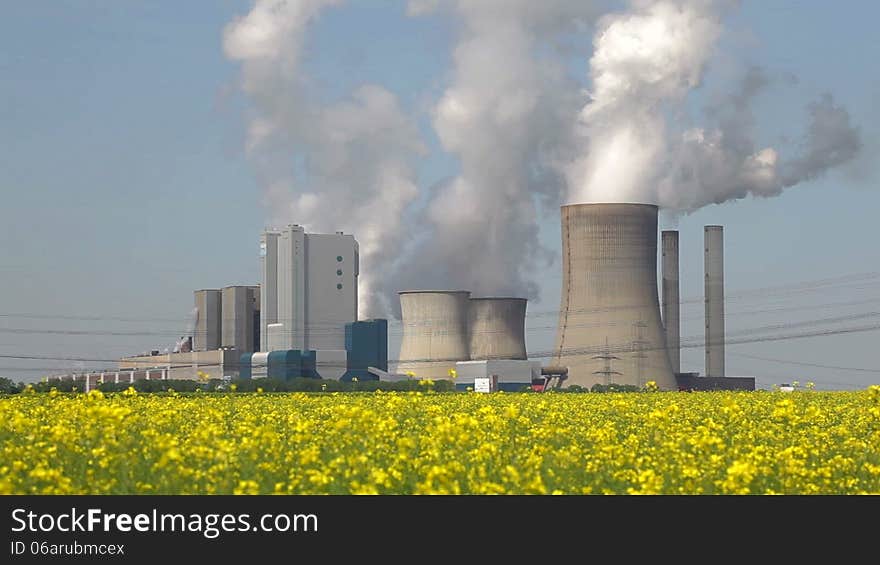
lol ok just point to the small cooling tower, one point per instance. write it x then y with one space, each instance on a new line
609 321
435 332
497 328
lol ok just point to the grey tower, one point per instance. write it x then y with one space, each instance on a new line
239 307
435 333
269 284
671 297
610 311
497 328
208 321
714 295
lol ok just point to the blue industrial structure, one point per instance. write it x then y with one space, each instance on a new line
366 345
366 342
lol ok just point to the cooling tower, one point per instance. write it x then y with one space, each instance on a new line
609 319
713 237
435 332
671 297
497 328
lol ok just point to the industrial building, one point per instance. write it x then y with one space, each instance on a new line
612 327
365 353
309 289
193 365
227 318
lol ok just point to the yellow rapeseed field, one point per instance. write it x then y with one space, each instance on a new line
725 442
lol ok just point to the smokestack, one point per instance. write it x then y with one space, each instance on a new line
714 294
435 332
268 284
497 328
671 298
609 320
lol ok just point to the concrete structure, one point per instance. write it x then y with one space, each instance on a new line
671 297
269 284
513 374
240 318
497 328
609 320
275 339
316 288
186 366
208 322
435 334
331 363
714 297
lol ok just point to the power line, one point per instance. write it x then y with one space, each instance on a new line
804 364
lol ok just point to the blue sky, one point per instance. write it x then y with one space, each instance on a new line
125 185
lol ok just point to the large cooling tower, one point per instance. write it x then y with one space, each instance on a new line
609 320
435 333
497 328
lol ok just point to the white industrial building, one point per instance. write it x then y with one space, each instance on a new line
309 289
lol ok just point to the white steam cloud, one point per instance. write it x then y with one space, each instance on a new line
527 133
645 64
346 166
505 115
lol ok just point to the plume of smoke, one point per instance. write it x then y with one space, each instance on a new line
711 166
645 63
346 166
505 116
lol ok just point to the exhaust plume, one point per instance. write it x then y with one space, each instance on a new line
347 166
645 63
505 117
526 135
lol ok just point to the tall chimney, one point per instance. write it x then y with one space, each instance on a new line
671 298
714 294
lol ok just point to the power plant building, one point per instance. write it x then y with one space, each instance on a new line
610 329
241 318
311 280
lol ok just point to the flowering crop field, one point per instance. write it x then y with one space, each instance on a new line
724 442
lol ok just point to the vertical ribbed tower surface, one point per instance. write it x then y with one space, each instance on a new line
609 319
497 328
713 237
671 297
435 333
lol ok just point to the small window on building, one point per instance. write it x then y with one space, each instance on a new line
339 286
339 258
339 272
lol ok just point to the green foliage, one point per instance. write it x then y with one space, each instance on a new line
7 386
